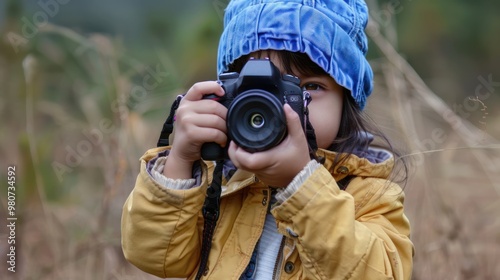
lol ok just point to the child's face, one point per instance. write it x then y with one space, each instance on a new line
325 109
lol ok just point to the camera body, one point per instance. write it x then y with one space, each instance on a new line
255 97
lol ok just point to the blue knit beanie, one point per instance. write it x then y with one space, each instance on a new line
330 32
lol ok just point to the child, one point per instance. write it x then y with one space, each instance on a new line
282 215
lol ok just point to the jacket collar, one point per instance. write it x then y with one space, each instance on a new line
377 163
365 161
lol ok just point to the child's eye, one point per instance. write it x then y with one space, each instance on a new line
311 86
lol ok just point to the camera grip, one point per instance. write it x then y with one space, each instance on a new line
212 151
211 96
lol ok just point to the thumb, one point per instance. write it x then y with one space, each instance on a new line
293 122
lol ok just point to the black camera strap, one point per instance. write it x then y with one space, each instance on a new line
211 209
168 126
309 129
211 205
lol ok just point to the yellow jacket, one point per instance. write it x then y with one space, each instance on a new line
359 233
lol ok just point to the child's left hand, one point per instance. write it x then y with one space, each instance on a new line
277 166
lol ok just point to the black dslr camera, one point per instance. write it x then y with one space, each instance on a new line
255 98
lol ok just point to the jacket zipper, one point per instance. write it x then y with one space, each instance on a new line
277 264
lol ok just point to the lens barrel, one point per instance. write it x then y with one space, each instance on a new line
256 120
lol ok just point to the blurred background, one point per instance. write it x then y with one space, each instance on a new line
85 87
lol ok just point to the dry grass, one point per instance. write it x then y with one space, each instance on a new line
76 152
453 198
69 225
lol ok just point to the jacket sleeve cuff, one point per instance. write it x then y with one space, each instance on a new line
155 165
165 182
300 178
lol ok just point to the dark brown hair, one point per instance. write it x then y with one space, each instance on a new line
353 121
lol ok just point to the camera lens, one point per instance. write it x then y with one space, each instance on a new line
257 120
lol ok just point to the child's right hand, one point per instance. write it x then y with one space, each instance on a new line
197 121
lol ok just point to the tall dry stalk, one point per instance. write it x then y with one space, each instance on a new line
74 232
448 244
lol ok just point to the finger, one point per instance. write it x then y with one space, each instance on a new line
231 152
246 160
198 90
205 121
204 135
202 107
294 125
